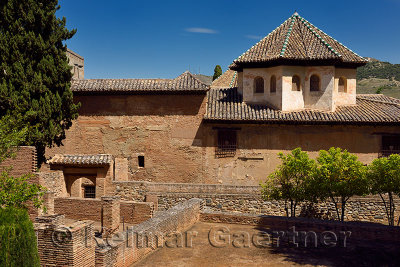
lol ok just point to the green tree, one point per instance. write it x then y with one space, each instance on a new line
379 90
291 180
217 72
340 175
18 191
17 239
384 179
10 136
34 72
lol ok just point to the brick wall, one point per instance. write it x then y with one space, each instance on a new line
76 250
135 212
25 161
163 129
125 252
110 208
90 209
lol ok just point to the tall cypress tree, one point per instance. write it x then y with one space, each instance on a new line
34 72
217 72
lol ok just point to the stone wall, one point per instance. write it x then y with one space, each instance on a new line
54 181
126 252
77 63
91 209
247 199
24 162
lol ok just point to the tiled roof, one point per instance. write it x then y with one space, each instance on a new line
226 80
299 40
185 82
86 160
227 105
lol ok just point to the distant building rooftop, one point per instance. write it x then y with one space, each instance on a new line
184 83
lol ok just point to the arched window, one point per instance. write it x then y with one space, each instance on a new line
296 83
272 84
259 85
342 85
314 83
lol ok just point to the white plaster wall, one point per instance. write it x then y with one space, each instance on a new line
292 100
287 100
348 98
273 99
323 99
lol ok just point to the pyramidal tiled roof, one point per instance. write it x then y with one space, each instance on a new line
299 40
227 105
184 83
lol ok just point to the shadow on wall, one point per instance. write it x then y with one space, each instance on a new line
280 137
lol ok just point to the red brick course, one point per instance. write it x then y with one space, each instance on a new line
90 209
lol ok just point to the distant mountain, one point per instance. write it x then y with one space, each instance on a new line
379 76
379 69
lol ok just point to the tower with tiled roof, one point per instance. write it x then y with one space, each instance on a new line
298 66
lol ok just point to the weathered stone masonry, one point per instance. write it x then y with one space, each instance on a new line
246 199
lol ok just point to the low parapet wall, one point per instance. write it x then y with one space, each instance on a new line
247 199
59 245
128 249
91 209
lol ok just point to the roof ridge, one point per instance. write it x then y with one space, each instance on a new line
307 24
378 101
201 82
233 79
293 17
192 76
333 39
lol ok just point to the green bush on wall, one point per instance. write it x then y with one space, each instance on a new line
17 239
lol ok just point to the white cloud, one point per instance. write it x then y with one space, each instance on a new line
256 37
201 30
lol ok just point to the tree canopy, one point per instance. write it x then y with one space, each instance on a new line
384 180
34 72
340 175
291 180
217 72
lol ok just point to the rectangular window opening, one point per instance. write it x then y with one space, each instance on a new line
141 161
227 144
390 145
90 191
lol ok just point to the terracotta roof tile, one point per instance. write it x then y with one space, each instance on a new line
370 109
86 160
226 80
297 39
185 82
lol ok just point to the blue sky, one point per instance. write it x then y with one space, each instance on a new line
162 39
